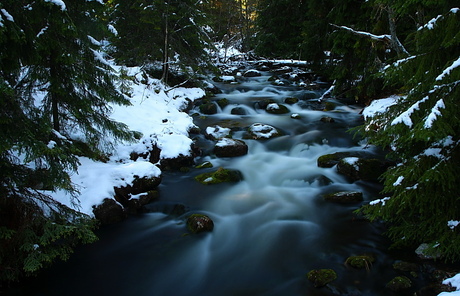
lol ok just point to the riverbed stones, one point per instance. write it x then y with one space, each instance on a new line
208 108
230 148
275 108
221 175
217 132
361 169
425 251
399 284
252 73
327 119
344 197
260 131
360 261
321 277
198 223
239 111
109 212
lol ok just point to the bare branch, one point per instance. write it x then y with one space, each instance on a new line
383 38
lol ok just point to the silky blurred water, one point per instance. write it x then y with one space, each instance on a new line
270 229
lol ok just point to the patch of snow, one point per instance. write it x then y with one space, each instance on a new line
398 181
112 30
352 161
58 3
452 224
435 112
377 201
454 282
447 71
218 132
225 142
156 113
93 40
51 144
405 116
379 106
8 16
228 78
430 24
273 106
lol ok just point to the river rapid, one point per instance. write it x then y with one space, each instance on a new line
270 229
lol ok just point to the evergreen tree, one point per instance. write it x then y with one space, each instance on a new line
279 26
54 83
168 31
422 131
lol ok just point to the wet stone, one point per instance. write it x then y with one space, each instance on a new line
198 223
321 277
344 197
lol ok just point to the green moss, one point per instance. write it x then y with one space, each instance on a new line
204 165
219 176
399 283
329 106
360 262
321 277
223 103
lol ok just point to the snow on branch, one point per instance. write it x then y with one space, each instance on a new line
447 71
384 38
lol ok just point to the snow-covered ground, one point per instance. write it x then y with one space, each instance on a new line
156 113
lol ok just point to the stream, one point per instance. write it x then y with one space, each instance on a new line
270 229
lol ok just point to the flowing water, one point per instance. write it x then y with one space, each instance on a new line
270 229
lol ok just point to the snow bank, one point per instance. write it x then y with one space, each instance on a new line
454 282
156 113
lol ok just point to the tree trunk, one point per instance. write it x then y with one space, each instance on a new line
54 95
164 77
395 43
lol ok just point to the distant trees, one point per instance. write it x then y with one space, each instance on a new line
170 31
55 89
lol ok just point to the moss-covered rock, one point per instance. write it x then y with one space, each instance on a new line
329 106
344 197
360 262
197 223
259 131
330 160
208 108
362 169
321 277
204 165
275 108
220 176
291 100
230 148
399 283
222 103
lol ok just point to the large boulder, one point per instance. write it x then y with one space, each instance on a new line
259 131
208 108
362 169
321 277
220 176
230 148
330 160
109 212
252 73
275 108
217 132
139 185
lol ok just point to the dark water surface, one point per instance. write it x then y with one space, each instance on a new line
270 229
